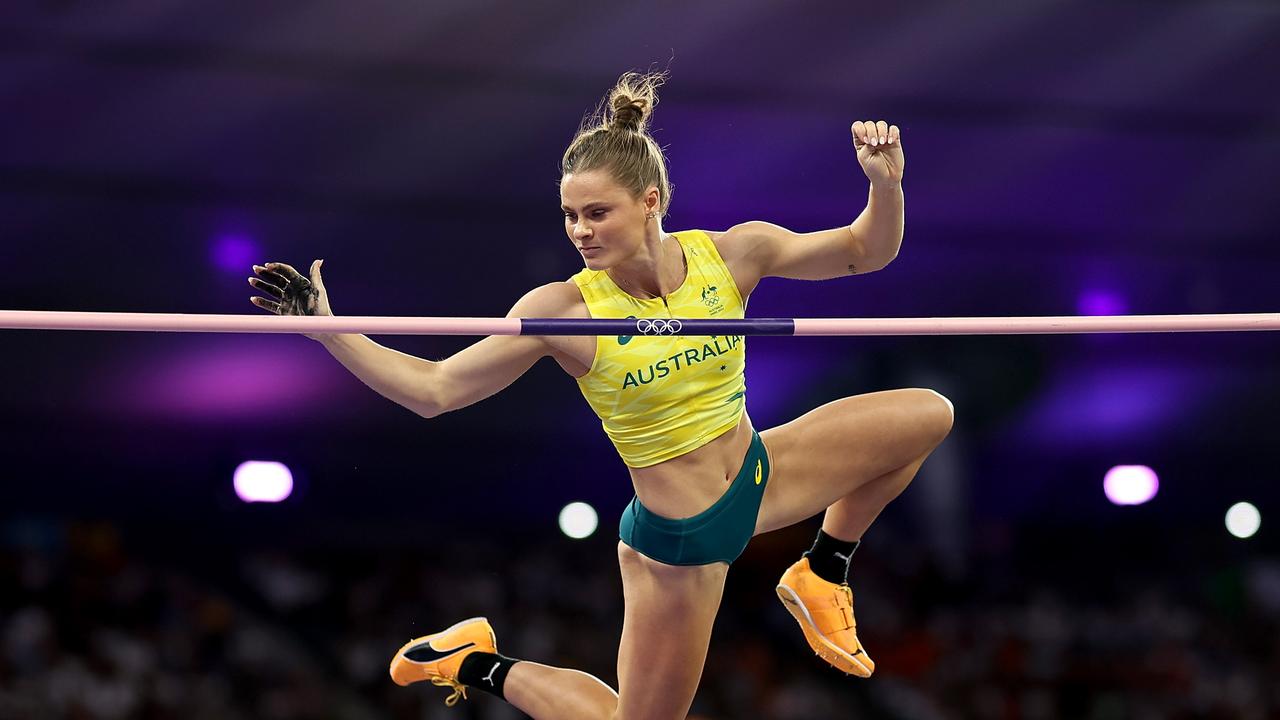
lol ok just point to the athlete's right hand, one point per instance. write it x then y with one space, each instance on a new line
290 293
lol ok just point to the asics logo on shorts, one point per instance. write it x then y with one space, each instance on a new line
661 326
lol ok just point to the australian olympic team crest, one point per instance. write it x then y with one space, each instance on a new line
711 298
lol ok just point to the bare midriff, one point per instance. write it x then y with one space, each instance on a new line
688 484
684 485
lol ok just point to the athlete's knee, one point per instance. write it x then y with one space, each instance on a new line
937 411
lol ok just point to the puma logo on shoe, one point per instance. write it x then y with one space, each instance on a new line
424 653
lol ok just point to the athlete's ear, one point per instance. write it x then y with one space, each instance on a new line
652 200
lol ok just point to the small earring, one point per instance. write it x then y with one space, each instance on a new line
651 215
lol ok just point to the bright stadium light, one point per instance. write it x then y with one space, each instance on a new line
1130 484
259 481
578 520
1243 520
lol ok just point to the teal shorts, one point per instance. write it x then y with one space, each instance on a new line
718 534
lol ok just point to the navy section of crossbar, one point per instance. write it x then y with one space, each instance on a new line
656 326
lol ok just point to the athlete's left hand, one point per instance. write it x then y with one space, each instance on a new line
879 147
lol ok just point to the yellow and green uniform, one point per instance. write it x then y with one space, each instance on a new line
659 397
662 396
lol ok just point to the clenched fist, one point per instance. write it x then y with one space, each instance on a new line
879 147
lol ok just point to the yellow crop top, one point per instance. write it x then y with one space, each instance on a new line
659 397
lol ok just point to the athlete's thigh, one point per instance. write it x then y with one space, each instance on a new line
666 630
833 450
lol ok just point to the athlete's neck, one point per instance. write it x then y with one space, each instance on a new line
656 270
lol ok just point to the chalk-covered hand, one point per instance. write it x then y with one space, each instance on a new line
289 293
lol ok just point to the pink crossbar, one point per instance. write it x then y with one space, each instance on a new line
174 322
1038 325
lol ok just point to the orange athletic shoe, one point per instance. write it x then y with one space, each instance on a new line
825 613
438 657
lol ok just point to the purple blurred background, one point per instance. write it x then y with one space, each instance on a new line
1062 158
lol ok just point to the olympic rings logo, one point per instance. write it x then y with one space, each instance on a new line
645 326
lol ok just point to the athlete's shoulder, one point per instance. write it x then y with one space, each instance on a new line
743 239
555 299
731 245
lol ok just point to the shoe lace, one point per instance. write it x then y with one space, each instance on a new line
459 690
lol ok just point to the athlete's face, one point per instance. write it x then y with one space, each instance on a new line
603 220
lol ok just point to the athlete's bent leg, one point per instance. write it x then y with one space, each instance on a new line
850 457
862 449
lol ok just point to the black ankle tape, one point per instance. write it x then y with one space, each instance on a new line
829 557
485 671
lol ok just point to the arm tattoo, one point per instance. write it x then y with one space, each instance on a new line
853 270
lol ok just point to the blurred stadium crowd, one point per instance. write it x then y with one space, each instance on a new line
94 626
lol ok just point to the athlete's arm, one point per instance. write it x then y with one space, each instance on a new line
431 388
425 387
759 249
